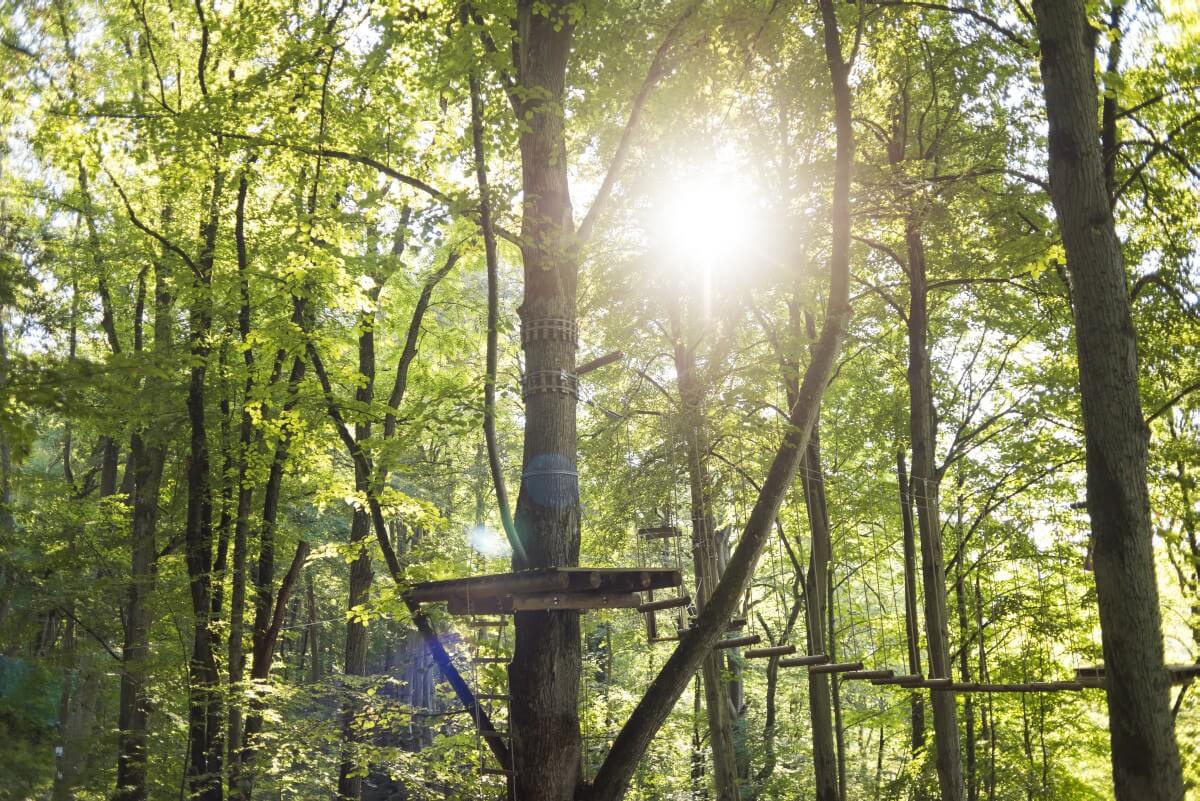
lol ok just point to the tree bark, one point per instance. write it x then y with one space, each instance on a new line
545 670
1145 757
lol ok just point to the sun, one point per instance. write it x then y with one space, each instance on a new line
709 220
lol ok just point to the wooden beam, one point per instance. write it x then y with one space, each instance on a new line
575 600
546 580
738 642
774 650
906 679
804 661
665 603
868 674
836 667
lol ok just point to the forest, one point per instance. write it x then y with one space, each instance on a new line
585 400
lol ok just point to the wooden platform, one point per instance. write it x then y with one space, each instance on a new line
545 589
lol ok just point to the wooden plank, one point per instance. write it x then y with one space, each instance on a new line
804 661
1180 674
492 696
868 674
497 772
665 603
575 600
738 642
487 624
735 624
774 650
546 580
836 667
659 532
491 660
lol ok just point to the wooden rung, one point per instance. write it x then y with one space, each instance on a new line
491 660
665 603
670 638
496 772
738 642
735 624
488 624
836 667
774 650
804 661
491 696
933 683
907 679
868 674
658 532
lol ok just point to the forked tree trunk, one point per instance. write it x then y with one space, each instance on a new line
912 623
148 458
707 564
924 489
812 479
1145 757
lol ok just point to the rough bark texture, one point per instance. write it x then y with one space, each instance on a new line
1145 757
544 673
922 430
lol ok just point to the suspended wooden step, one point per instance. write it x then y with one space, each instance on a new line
735 624
773 650
836 667
905 679
659 532
497 772
932 683
738 642
804 661
665 603
491 697
488 624
545 589
868 675
491 660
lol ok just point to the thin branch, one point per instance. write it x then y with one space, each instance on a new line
1176 398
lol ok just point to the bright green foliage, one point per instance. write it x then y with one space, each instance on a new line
127 127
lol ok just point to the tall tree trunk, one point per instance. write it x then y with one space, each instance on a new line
204 701
1145 757
707 563
812 479
922 430
148 459
544 673
912 623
